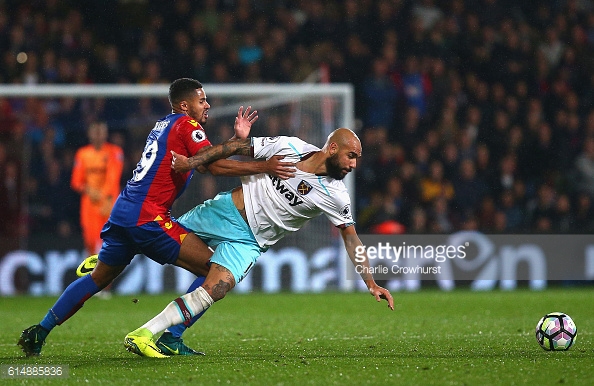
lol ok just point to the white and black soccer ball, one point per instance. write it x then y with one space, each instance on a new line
556 331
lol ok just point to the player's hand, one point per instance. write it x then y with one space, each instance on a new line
244 121
202 169
179 162
381 293
277 168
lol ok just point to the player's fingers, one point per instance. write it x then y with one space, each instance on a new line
377 296
286 174
388 296
254 119
390 303
240 112
247 112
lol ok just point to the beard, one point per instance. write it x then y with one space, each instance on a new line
333 168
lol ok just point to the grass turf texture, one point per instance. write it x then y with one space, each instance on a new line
432 337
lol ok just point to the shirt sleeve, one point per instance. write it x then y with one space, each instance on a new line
292 148
339 210
266 147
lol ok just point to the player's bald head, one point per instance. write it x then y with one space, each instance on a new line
344 137
342 150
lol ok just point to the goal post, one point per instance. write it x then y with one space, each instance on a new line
310 111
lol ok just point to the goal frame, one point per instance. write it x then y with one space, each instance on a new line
286 91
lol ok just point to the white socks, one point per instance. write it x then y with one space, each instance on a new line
180 310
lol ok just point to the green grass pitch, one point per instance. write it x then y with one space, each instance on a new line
433 337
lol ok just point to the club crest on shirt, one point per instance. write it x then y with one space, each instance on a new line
304 187
198 135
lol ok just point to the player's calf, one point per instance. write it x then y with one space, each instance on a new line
218 282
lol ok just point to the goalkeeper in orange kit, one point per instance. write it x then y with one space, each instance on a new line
96 176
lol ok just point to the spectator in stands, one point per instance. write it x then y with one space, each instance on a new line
380 96
469 189
514 215
563 220
415 85
435 185
541 209
441 217
516 82
10 194
584 166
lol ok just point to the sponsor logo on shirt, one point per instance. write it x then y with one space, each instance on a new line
285 192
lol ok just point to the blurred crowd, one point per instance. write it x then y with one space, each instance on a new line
474 114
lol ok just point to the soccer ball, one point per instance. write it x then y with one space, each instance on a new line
556 331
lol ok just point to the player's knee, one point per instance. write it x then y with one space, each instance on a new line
101 281
104 274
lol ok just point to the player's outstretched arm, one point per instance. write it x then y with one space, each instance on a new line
351 242
274 166
206 155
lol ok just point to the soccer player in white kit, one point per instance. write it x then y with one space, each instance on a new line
242 224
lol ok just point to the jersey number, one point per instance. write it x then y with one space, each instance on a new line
146 161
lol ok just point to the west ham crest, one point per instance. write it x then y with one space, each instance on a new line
304 187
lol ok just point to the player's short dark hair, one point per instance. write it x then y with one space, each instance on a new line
182 88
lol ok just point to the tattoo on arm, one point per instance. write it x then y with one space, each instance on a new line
246 150
223 150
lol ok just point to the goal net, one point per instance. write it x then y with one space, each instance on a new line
309 111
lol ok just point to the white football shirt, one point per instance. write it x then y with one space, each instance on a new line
275 207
